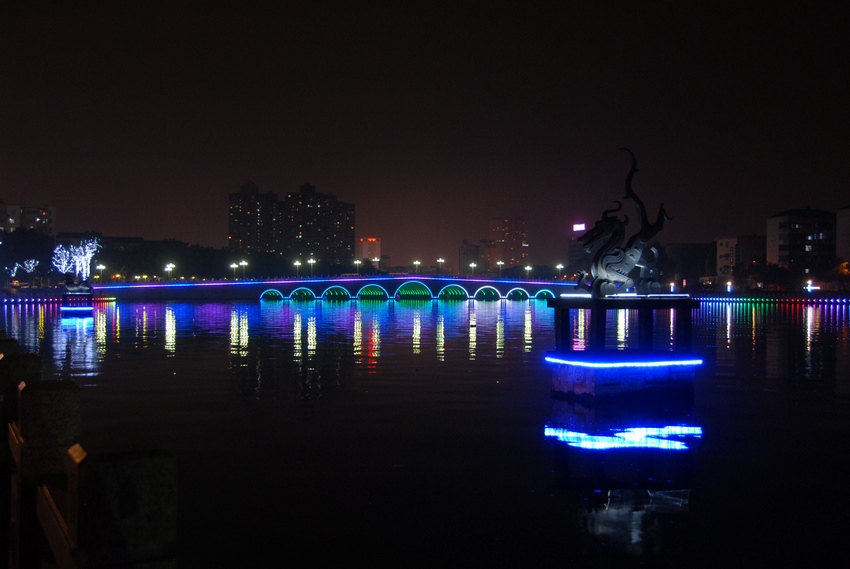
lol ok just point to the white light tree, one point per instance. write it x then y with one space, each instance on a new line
76 257
29 265
62 260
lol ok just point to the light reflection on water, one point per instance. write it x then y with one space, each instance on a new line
739 340
468 375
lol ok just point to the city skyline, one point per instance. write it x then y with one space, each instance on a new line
141 118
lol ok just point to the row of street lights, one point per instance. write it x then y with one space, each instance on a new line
357 262
298 265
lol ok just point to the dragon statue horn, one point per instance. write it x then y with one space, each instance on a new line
607 213
629 191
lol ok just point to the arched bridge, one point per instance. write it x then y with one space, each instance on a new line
401 287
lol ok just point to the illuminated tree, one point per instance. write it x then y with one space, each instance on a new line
76 258
62 260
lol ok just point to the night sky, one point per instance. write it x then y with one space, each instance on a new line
139 118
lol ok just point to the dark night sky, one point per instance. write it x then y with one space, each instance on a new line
139 118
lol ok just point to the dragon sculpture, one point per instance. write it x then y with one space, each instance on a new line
613 263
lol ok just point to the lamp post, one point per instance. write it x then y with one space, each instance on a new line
416 266
440 262
243 264
357 264
377 262
527 271
559 266
100 268
472 268
500 263
297 265
311 261
234 267
168 268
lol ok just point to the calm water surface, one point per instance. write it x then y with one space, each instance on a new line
415 433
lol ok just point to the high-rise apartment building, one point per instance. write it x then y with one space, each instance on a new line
318 226
370 248
577 258
509 239
305 224
254 221
801 239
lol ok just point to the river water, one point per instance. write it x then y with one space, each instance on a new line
425 433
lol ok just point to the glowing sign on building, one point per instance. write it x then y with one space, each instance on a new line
578 227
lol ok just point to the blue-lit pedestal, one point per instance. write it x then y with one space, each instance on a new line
77 305
594 368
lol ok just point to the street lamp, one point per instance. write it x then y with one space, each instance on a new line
440 262
500 263
416 265
527 271
311 261
168 268
100 268
357 264
559 266
297 264
472 268
243 264
377 262
234 267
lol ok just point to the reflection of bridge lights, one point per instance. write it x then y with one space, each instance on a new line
663 438
170 330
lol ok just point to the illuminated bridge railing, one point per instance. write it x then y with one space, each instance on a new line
404 287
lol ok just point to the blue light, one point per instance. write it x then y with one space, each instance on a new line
634 437
624 364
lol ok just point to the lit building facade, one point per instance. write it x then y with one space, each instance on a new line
38 218
370 248
802 240
739 251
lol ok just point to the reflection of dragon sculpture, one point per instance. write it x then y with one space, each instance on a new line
612 264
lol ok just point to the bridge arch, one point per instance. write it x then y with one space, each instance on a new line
336 292
518 293
373 292
544 294
453 292
413 290
302 293
271 294
487 292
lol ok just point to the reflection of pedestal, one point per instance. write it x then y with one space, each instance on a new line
599 371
